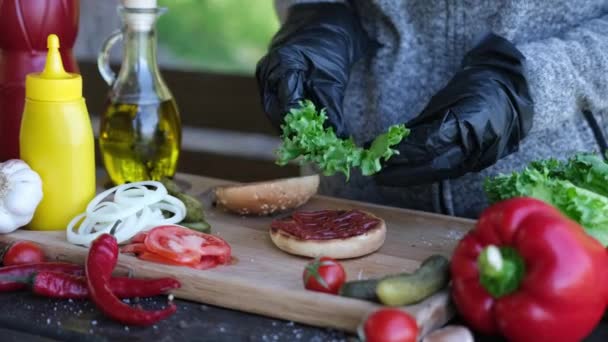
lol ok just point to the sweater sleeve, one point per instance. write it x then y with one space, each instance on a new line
569 74
282 6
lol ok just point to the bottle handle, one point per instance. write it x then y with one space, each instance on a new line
103 60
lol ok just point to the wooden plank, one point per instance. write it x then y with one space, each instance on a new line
266 281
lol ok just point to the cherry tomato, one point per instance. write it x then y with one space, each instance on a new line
324 275
22 252
389 325
186 246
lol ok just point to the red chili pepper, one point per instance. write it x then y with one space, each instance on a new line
62 285
12 278
529 273
100 263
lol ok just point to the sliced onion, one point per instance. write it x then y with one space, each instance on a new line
133 208
132 197
85 234
130 230
173 205
136 193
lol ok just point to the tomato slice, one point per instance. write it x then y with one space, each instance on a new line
207 263
139 237
215 246
134 248
184 245
147 256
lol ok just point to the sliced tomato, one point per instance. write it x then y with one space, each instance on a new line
139 237
216 246
207 262
175 243
147 256
134 248
185 245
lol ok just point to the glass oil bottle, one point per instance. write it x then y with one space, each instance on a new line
140 133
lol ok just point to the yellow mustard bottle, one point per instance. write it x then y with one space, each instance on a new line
56 140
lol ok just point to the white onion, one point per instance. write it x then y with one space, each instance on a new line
173 205
133 208
138 192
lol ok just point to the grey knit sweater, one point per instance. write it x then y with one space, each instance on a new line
565 43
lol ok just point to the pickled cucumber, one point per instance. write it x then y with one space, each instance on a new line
360 289
195 216
202 227
402 288
408 289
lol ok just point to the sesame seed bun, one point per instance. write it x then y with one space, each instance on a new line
269 197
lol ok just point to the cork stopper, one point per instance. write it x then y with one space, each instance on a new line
142 4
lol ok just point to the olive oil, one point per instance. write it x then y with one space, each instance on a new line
140 133
140 141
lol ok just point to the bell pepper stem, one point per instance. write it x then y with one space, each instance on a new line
501 270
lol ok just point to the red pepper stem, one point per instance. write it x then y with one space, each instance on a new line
20 279
501 270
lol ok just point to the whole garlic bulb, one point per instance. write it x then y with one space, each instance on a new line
20 194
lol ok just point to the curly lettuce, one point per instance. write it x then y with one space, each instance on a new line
578 188
305 137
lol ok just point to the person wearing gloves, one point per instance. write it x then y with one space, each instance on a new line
485 87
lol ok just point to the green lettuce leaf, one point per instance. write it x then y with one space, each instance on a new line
304 137
577 188
588 171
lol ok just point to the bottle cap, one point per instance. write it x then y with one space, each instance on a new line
53 83
143 4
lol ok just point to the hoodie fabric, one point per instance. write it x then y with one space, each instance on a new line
422 43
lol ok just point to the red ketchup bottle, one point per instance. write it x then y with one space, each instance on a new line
24 28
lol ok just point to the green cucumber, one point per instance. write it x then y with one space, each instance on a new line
431 276
408 289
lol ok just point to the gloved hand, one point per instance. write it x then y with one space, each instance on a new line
479 117
310 58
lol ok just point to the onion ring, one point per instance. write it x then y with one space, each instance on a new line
133 208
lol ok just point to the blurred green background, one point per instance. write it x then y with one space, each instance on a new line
227 36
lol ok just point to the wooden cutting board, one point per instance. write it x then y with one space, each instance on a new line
268 282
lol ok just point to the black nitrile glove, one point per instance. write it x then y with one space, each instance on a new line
311 58
479 117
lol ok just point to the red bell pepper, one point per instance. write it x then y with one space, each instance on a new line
530 274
